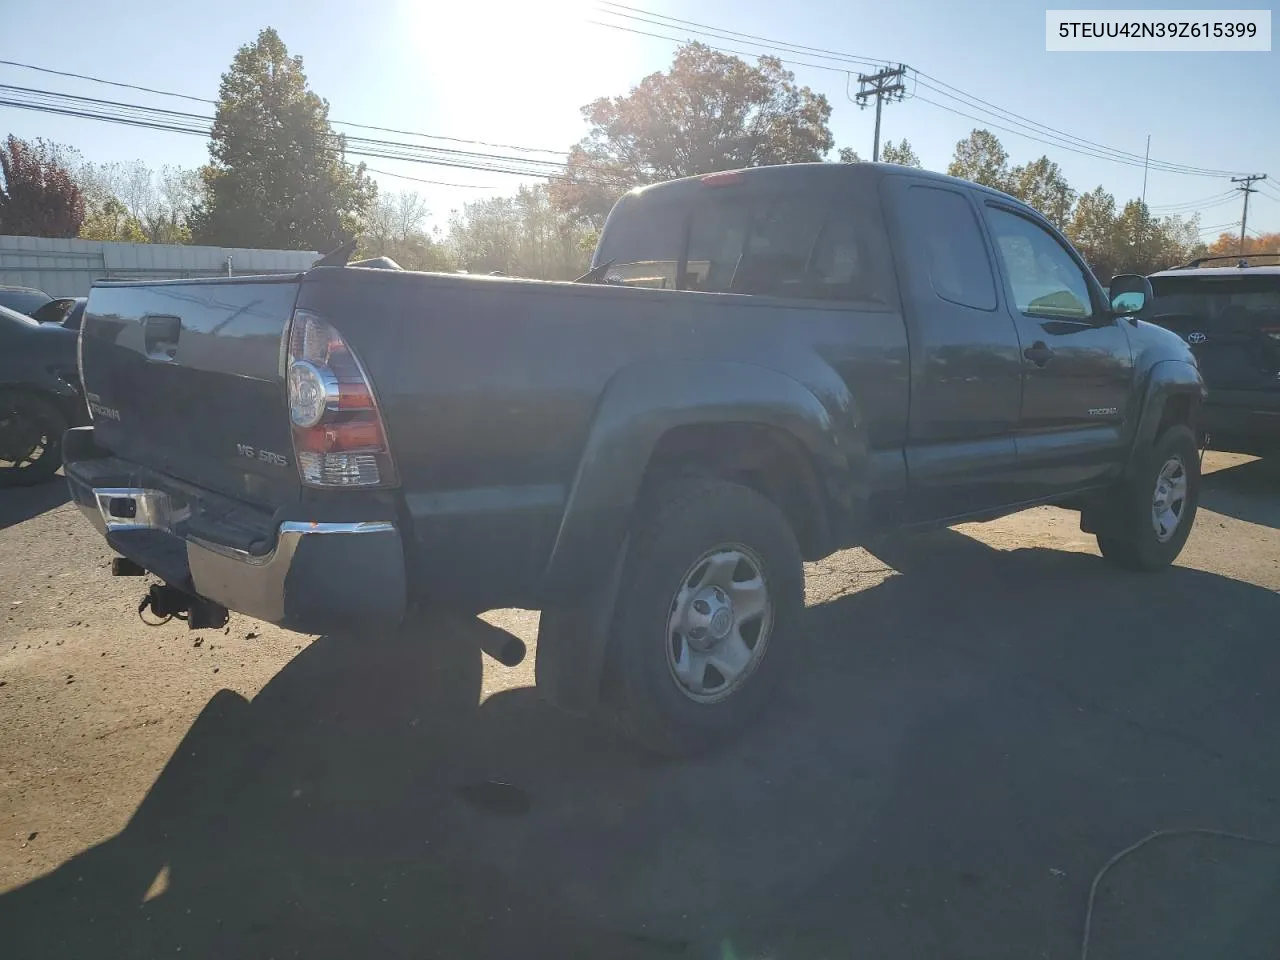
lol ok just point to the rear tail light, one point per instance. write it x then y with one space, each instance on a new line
339 438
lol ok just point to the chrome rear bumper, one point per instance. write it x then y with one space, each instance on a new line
314 577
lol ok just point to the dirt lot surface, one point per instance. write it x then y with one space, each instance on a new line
978 720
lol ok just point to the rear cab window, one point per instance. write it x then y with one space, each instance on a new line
952 247
791 244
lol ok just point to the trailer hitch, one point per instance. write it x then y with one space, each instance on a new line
167 603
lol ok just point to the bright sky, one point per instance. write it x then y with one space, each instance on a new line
516 72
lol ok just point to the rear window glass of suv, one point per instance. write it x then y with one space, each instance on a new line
1223 304
24 301
728 241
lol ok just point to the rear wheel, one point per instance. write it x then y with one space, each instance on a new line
710 599
31 429
1158 505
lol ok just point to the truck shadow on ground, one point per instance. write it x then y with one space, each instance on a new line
18 504
960 745
1250 492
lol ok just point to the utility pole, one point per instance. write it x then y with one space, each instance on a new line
1246 188
887 84
1146 162
1144 218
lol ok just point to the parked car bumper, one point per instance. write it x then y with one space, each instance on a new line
313 576
1243 420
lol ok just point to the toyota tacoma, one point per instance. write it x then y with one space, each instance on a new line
762 367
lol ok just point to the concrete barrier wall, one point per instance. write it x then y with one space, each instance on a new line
66 268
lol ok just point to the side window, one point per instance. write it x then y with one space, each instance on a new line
1045 281
947 240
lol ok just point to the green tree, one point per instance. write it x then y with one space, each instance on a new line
523 236
39 197
395 227
156 203
1093 231
110 220
709 112
849 155
277 176
980 157
1040 184
900 153
1144 244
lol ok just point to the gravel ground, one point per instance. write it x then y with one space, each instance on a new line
980 718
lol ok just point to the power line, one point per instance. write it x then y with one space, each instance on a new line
741 53
1077 144
435 183
110 83
343 123
1221 195
983 120
1067 142
174 121
979 104
725 33
1018 133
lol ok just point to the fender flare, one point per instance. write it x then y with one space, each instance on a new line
639 405
1167 379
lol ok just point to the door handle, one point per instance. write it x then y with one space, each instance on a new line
1038 353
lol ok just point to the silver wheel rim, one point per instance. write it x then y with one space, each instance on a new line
22 443
1169 499
719 625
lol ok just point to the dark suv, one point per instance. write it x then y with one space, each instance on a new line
1230 315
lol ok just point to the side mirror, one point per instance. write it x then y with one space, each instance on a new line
1130 294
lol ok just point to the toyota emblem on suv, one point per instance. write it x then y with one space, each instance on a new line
1196 337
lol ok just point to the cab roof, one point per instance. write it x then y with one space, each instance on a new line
790 173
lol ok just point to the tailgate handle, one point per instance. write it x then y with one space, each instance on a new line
160 337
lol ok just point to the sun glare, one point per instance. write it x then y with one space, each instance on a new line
518 71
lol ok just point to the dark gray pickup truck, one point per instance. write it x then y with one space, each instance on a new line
763 367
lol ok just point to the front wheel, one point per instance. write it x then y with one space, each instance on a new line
31 429
1158 505
711 596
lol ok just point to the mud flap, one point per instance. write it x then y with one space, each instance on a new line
573 638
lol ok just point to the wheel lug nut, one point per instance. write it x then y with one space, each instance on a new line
702 607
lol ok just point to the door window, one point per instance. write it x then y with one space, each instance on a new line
1044 279
949 243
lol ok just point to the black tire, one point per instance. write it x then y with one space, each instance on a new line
686 523
1135 543
25 415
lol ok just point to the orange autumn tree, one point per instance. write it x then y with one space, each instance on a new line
1228 244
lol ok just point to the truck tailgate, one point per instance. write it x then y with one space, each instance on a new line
183 377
